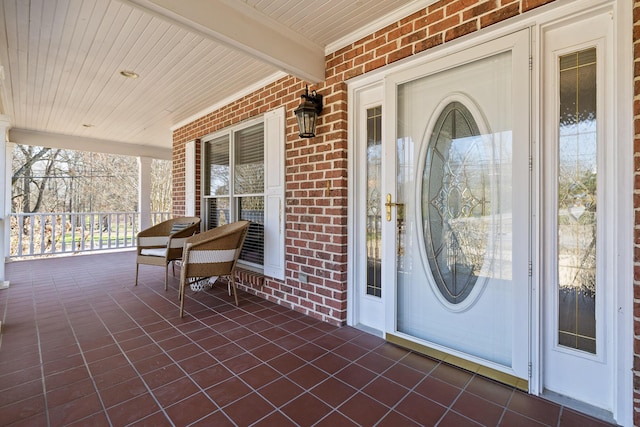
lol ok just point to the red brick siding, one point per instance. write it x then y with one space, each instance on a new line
441 22
315 193
316 169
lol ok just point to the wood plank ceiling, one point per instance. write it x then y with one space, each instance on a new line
61 60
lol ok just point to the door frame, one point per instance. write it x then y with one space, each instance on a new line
569 38
364 96
621 271
554 13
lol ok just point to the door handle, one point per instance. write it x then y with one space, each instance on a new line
389 205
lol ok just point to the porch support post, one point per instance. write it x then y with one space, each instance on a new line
5 195
144 191
7 227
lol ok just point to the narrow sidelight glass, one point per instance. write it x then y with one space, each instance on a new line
374 201
577 197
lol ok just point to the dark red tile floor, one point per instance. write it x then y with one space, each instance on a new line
81 345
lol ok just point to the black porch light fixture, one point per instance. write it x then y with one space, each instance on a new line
307 113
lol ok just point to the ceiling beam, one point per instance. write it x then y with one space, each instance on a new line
78 143
241 27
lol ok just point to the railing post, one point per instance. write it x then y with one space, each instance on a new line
20 228
63 226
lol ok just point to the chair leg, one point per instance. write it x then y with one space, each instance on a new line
182 286
166 276
233 285
137 266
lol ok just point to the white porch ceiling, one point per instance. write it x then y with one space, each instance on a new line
61 61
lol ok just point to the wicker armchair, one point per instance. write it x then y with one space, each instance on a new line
212 254
162 243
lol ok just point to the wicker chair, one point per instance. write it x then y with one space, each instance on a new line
162 243
212 254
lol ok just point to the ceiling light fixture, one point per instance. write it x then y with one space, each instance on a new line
307 113
129 74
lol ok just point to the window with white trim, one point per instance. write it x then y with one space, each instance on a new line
238 185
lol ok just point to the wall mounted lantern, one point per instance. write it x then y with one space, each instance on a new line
307 113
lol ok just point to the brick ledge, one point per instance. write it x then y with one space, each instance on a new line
252 278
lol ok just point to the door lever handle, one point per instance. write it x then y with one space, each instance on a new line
389 205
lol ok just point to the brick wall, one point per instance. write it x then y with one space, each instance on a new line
316 192
316 169
178 172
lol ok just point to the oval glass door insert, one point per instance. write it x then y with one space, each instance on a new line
456 203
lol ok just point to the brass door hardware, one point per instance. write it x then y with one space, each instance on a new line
389 205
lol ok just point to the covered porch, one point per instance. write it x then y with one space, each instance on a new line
80 345
345 233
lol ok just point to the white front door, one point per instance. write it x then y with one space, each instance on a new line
579 194
456 198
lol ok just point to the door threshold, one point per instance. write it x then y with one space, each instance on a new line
369 330
582 407
468 365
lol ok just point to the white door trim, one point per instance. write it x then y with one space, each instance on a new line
620 263
363 97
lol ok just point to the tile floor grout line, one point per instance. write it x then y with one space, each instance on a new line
413 390
118 344
44 385
307 363
276 410
177 362
560 416
453 402
504 408
188 375
86 364
361 389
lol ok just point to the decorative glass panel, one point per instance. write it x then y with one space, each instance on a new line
577 179
374 202
455 200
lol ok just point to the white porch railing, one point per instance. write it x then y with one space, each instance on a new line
40 234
